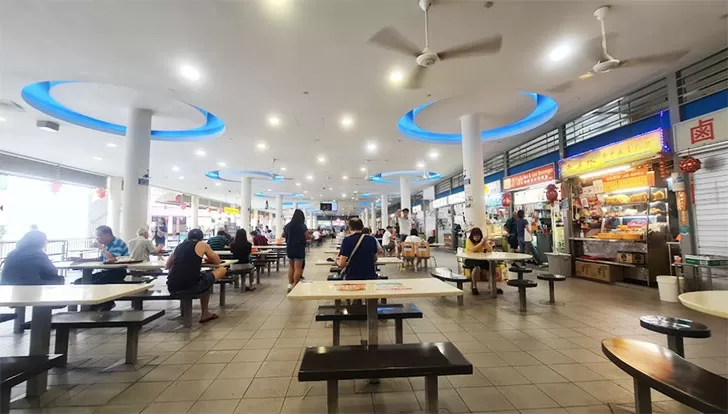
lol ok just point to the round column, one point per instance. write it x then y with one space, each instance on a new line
385 213
195 212
374 214
278 222
404 192
246 196
136 173
473 172
113 215
314 221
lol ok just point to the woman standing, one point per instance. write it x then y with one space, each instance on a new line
296 234
241 248
476 243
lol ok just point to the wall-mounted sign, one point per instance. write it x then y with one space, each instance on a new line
457 198
630 150
639 177
440 202
231 210
704 130
417 208
528 178
428 193
492 187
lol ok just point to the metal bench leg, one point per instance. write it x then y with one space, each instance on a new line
552 297
132 344
236 281
398 331
461 300
675 344
137 304
5 399
332 396
642 398
62 344
522 299
257 276
19 320
222 294
431 405
186 308
337 333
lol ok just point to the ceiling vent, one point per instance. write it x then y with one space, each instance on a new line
6 105
49 126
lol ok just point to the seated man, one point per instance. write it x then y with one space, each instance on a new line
217 242
111 249
358 254
388 241
259 239
185 271
141 247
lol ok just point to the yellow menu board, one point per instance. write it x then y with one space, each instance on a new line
634 149
232 210
639 177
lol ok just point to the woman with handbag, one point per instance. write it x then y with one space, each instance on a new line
358 254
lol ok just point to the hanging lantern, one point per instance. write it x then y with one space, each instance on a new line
689 164
507 199
55 187
101 193
209 209
183 206
219 211
551 193
664 171
178 198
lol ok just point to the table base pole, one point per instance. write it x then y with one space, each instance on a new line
40 342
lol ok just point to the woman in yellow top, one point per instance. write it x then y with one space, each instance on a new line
476 243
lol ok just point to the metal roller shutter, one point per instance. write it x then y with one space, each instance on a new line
711 203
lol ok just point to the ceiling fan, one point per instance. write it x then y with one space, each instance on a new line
607 62
390 38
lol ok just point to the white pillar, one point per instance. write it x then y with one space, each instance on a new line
279 216
314 220
473 172
404 193
385 214
246 196
136 173
195 206
374 214
113 215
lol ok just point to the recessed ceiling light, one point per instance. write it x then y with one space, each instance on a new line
356 192
98 158
181 177
321 159
331 188
175 168
434 154
217 184
344 177
420 164
111 145
346 121
190 72
298 184
2 119
343 194
283 168
309 177
363 169
220 164
270 189
560 52
305 192
274 120
261 146
200 153
586 75
396 76
371 146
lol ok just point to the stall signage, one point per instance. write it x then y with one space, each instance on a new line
634 149
704 130
492 187
456 198
535 176
440 202
630 179
231 210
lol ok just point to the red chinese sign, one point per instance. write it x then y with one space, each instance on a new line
535 176
703 131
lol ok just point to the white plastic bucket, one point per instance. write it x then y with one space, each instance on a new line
668 288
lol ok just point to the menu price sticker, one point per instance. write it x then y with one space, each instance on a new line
639 177
535 176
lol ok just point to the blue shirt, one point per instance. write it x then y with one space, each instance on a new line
361 266
521 228
116 247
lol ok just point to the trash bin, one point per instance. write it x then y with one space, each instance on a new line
559 263
668 287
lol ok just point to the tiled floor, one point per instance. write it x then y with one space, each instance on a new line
548 361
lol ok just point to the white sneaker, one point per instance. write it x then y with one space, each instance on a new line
290 286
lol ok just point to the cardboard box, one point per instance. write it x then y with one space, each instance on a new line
631 257
599 271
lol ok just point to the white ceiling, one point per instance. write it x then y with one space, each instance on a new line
258 57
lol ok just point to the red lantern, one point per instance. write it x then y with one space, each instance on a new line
507 199
55 187
209 209
551 193
101 193
664 171
690 164
178 198
183 206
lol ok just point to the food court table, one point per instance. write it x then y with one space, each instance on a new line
42 298
493 258
381 261
88 267
712 302
371 291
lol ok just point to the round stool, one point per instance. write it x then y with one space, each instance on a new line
551 279
522 285
676 329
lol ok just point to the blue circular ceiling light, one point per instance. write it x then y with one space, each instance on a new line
38 95
423 177
546 108
261 175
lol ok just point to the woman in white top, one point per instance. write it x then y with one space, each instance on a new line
415 240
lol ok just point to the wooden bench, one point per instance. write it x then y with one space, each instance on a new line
18 369
429 360
338 314
131 320
654 367
185 302
676 329
447 275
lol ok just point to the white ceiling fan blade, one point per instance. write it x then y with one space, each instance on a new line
658 59
390 38
570 84
478 47
415 78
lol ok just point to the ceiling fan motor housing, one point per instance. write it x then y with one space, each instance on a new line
427 59
604 66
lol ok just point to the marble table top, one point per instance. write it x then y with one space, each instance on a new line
62 295
371 289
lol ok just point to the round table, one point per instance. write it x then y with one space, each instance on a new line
712 302
492 258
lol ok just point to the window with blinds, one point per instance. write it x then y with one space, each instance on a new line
457 180
703 78
541 145
494 165
443 186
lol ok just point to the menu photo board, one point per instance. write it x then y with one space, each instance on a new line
528 178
